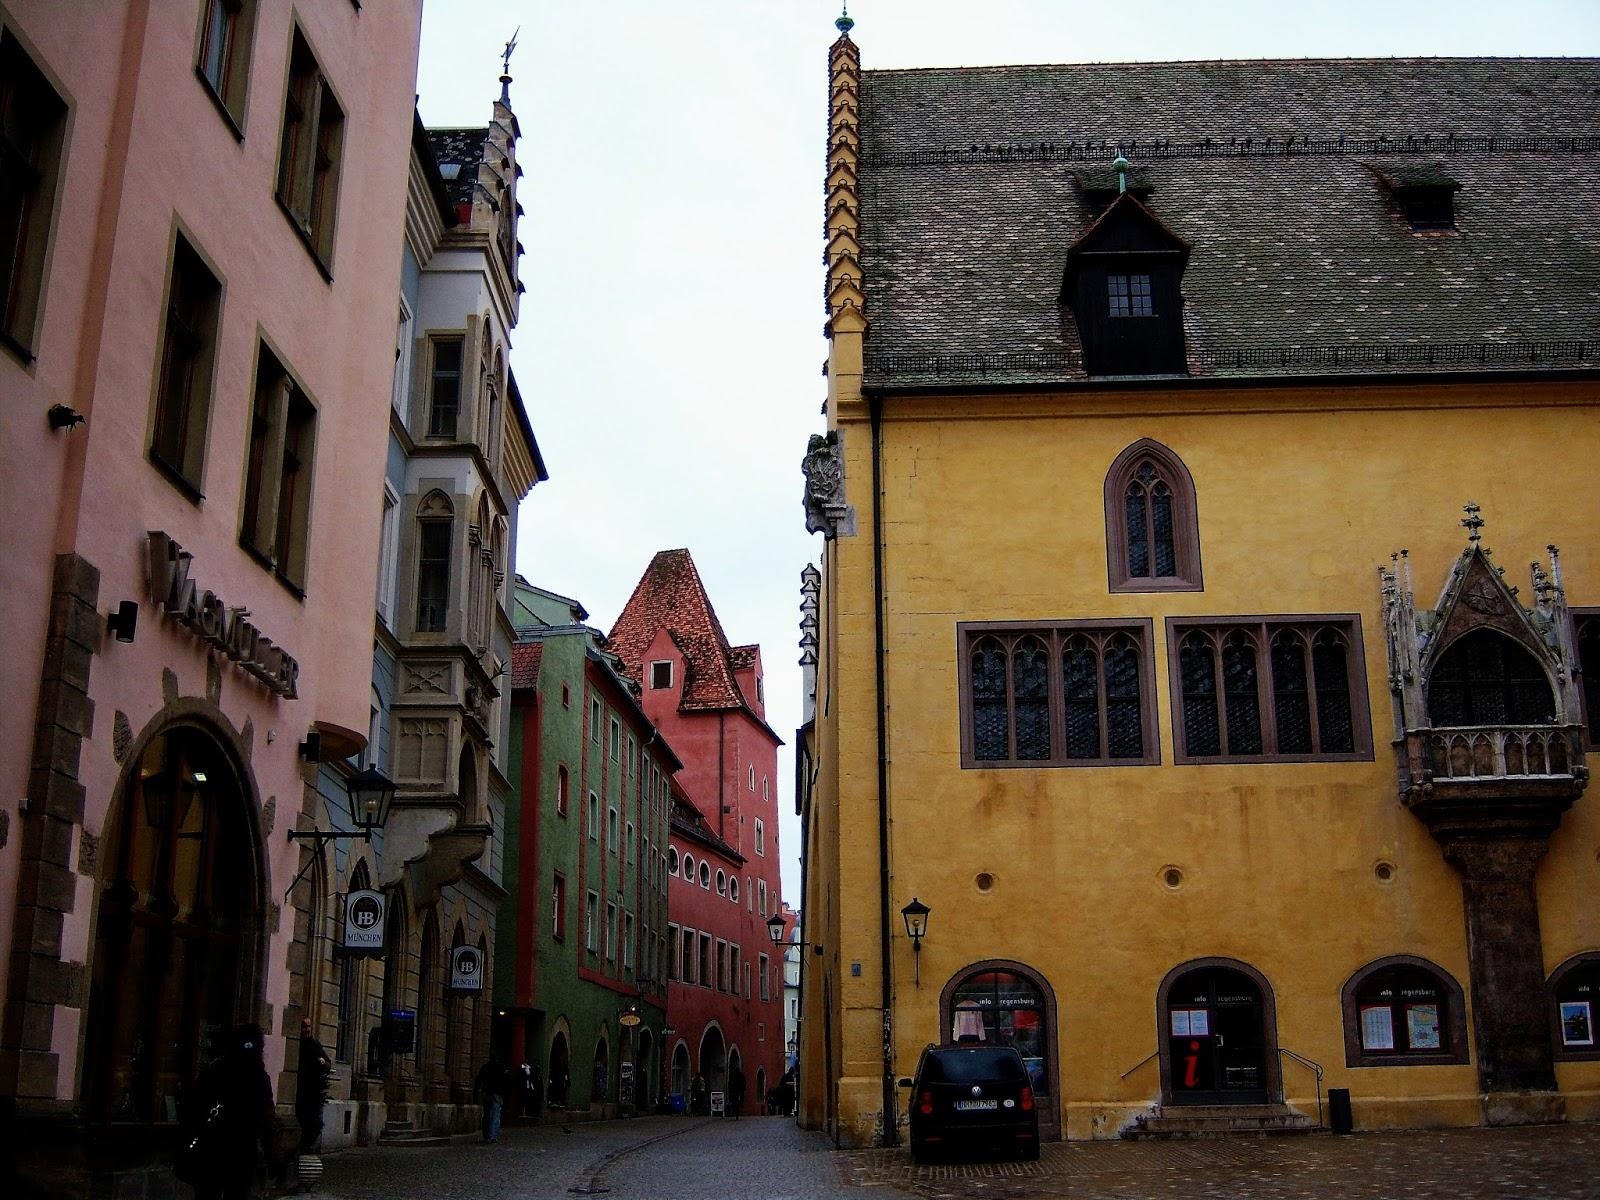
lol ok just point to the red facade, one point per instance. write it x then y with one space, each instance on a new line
725 995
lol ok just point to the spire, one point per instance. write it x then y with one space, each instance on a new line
505 68
844 24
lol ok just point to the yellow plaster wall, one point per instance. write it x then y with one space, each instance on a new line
993 511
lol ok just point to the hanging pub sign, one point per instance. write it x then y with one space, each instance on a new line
466 969
364 913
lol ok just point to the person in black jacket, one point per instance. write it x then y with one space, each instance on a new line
230 1116
311 1088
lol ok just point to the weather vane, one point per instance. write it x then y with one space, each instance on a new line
510 46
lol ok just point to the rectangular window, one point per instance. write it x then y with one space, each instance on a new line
734 968
591 919
563 786
761 837
402 359
594 817
444 392
673 952
1586 624
226 28
611 830
277 477
687 959
627 940
707 977
309 152
188 352
766 977
611 932
388 552
1129 296
761 896
434 535
616 740
594 721
33 118
1063 694
661 674
722 965
1255 689
628 843
558 908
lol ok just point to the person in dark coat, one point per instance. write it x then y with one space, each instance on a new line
230 1116
698 1104
735 1091
311 1088
491 1086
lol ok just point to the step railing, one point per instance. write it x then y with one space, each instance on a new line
1147 1058
1314 1067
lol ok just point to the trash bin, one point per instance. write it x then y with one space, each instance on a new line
1339 1117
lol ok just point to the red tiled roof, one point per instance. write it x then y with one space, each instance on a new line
744 657
670 596
525 658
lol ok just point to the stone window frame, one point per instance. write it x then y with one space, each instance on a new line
1054 635
1262 628
279 472
224 43
591 922
722 882
594 816
563 789
1453 1053
761 837
671 857
1585 618
434 510
182 413
1171 470
705 875
35 170
1578 961
674 951
558 906
308 168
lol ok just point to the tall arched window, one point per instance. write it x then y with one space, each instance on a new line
1485 678
435 534
1152 528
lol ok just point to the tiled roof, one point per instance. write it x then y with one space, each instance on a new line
525 659
463 147
744 657
1279 175
670 596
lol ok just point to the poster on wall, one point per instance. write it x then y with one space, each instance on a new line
1422 1026
1577 1023
364 913
1377 1027
466 969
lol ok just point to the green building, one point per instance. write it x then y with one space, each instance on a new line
579 985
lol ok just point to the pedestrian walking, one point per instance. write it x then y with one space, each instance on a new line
735 1091
698 1101
491 1086
229 1117
311 1088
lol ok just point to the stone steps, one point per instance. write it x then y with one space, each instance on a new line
405 1133
1219 1121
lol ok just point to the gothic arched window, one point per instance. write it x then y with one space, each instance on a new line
1485 678
435 519
1152 530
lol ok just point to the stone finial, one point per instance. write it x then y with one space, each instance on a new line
843 23
1472 523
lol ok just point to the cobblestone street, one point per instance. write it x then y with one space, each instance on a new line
769 1158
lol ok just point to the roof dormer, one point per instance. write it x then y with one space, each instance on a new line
1422 188
1124 286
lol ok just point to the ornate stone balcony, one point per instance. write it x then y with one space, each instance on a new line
1514 774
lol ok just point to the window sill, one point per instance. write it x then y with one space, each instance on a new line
235 124
1430 1059
17 349
304 235
1172 584
1232 760
177 479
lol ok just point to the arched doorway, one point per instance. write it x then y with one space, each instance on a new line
680 1071
176 957
1218 1035
1000 1002
714 1060
602 1071
735 1060
560 1072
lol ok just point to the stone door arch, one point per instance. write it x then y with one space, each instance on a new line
1217 1034
1002 1002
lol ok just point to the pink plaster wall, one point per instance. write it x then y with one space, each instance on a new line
148 152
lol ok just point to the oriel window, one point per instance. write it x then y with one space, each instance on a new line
435 533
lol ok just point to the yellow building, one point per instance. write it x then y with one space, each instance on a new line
1149 434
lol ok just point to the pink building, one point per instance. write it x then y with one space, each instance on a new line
201 254
725 989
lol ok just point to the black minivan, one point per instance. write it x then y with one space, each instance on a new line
972 1096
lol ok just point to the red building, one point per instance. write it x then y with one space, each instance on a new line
725 981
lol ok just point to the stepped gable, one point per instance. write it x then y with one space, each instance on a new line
1285 177
670 596
525 659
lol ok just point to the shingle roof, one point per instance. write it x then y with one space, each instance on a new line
744 657
1303 261
525 659
670 596
463 147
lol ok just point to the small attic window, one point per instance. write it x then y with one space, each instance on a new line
1424 190
1128 296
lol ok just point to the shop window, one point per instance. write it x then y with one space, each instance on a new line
1402 1011
33 118
1485 678
1252 690
1575 1008
309 152
188 354
1069 694
226 31
435 534
1152 529
1588 629
278 466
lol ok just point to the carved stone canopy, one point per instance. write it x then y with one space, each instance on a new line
823 466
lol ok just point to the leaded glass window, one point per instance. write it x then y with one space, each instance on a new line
1151 550
1330 658
1485 678
1030 668
1240 699
1124 721
1080 668
1589 661
1152 535
1202 732
991 722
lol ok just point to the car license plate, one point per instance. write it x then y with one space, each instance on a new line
976 1105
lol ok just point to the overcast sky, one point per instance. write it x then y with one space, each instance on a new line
670 343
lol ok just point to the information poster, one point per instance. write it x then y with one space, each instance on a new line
1422 1026
1377 1027
1191 1022
1577 1023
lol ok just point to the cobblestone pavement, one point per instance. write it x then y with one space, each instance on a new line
1560 1162
680 1158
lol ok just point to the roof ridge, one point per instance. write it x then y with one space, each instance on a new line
1239 62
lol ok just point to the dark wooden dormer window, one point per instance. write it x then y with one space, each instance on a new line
1123 289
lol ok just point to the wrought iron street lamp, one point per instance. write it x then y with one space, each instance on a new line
915 915
371 793
775 929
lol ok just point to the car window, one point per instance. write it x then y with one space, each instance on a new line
974 1066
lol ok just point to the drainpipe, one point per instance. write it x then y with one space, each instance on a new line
890 1128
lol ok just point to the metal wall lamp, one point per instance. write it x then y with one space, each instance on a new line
915 915
775 924
371 793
